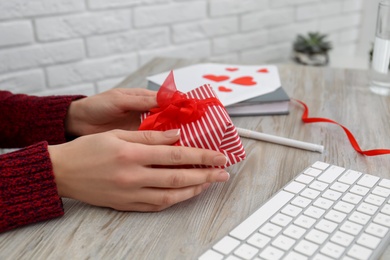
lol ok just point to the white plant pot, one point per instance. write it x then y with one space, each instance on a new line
316 59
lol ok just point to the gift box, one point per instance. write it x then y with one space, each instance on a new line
201 117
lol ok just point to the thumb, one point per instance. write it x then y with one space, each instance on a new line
149 137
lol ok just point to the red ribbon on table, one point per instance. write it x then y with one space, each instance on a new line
352 140
175 108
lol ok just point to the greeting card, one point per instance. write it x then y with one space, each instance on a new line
231 83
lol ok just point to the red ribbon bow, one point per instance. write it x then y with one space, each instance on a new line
175 108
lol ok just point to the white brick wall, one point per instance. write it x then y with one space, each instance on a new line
87 46
16 33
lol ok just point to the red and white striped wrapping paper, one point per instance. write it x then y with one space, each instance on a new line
214 131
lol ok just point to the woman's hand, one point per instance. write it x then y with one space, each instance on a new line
114 109
114 169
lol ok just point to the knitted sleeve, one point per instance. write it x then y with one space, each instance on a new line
25 120
28 192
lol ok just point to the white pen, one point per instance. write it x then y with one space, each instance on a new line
280 140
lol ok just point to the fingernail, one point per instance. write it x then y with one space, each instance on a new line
172 133
223 176
219 160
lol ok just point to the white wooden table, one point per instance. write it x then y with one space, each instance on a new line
185 230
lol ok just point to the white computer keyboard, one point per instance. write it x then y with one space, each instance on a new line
326 212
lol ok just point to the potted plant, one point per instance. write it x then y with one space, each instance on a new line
312 49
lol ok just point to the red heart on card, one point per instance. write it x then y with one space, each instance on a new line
245 81
263 70
215 77
231 69
224 89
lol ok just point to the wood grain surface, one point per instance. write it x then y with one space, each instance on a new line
186 230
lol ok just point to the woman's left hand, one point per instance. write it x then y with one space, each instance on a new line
114 109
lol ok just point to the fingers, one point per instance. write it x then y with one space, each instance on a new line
137 91
158 153
149 137
137 99
179 178
153 199
179 155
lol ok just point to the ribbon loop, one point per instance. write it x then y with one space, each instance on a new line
175 108
351 138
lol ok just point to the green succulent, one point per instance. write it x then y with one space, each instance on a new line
313 42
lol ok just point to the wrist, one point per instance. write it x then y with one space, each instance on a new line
73 121
55 165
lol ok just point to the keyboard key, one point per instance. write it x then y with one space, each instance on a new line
259 240
359 218
331 174
326 226
350 177
304 179
335 216
294 187
305 247
316 236
368 241
301 202
310 193
270 229
386 209
312 172
380 191
359 252
342 238
260 216
314 212
351 228
339 186
323 203
385 183
368 180
367 208
359 190
382 219
332 250
226 245
211 255
377 230
322 257
352 198
281 219
246 251
283 242
294 231
331 194
318 185
291 210
271 253
344 207
320 165
374 199
304 221
295 256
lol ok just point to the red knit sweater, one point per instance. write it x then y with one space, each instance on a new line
28 192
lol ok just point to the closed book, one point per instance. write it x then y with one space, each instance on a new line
273 103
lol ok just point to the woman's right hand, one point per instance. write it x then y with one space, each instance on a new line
114 169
